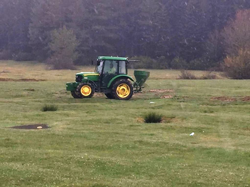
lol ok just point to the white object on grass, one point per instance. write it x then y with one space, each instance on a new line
192 134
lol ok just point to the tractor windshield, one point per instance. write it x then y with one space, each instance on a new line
110 67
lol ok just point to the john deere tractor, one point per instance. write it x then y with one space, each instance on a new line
110 77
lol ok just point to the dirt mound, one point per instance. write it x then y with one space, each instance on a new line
22 80
30 127
223 98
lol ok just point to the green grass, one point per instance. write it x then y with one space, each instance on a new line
100 142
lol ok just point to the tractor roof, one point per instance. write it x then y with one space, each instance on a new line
112 58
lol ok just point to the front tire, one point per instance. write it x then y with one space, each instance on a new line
122 89
76 95
85 90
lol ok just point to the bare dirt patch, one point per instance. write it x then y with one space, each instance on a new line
246 99
162 91
140 120
29 90
246 129
99 95
164 120
223 98
32 127
167 96
21 80
138 95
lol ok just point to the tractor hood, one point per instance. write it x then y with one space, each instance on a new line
92 76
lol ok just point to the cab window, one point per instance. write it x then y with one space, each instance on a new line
122 67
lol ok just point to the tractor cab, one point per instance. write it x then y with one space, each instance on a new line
110 67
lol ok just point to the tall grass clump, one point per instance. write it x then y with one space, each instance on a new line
209 75
186 75
47 108
153 117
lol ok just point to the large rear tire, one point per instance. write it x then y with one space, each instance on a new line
85 90
122 89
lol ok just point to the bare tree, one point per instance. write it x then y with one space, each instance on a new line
237 33
63 49
237 43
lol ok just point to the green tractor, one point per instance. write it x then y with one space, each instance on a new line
110 77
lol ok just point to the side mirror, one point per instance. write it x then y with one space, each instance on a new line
98 63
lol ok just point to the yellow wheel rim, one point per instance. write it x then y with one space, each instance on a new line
86 90
123 90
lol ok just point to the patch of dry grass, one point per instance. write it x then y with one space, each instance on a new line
33 70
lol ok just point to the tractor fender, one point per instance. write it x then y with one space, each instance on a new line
119 77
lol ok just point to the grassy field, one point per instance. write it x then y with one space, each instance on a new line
100 142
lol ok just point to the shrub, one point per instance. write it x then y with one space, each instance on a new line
22 56
209 75
46 108
153 117
144 62
162 63
186 75
238 67
199 64
179 63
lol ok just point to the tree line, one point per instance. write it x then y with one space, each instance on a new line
170 33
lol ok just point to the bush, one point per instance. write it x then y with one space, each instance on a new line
144 62
46 108
22 56
186 75
238 67
209 75
178 63
162 63
199 64
153 117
